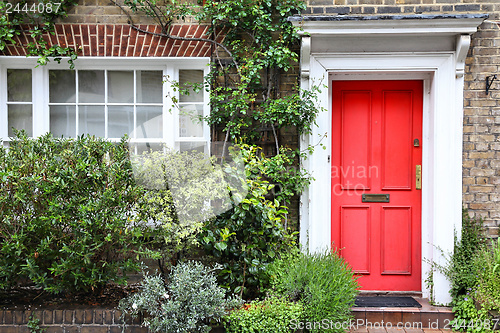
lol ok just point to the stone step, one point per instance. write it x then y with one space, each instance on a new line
428 316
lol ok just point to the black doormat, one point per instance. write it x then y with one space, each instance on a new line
386 302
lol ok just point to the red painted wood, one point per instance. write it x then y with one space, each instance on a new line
356 230
374 124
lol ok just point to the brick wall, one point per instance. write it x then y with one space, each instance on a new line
481 155
68 321
392 7
120 40
106 11
72 321
481 164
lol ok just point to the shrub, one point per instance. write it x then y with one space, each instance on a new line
186 303
65 213
177 187
272 315
323 283
471 271
468 317
488 271
246 238
281 170
461 269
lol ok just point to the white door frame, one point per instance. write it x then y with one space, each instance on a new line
392 49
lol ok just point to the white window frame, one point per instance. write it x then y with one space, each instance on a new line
169 66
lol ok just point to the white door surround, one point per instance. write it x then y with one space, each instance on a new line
431 48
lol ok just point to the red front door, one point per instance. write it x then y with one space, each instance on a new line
376 196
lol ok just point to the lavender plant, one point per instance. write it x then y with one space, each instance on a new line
186 302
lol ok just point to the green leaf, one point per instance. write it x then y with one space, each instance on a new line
221 246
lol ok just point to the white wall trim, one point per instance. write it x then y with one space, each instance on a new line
388 25
442 74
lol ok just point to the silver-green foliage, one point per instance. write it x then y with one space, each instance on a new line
186 303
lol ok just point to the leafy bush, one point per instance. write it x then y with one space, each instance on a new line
323 283
177 187
186 303
281 170
475 284
468 317
461 270
65 213
488 271
246 238
272 315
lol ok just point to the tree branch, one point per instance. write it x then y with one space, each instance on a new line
193 39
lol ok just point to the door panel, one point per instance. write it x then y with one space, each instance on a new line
356 230
355 127
396 135
374 125
396 240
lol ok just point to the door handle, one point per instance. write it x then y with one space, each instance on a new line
418 177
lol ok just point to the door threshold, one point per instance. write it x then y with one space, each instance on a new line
390 293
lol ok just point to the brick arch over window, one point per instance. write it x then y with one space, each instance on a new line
121 40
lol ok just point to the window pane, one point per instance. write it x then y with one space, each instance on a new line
91 120
146 147
149 86
189 123
186 79
120 121
198 147
63 120
149 122
19 85
20 117
91 86
62 86
120 86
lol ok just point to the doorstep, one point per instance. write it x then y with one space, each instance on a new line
413 320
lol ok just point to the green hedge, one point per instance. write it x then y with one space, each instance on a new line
65 213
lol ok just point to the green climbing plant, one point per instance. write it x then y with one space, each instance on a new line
36 19
258 49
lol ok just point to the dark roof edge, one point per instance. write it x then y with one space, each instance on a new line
301 18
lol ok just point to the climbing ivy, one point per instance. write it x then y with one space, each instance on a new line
258 49
37 20
7 30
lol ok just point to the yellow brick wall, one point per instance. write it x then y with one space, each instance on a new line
391 7
106 11
481 157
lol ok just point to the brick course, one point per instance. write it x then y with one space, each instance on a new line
119 40
491 7
68 321
56 321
